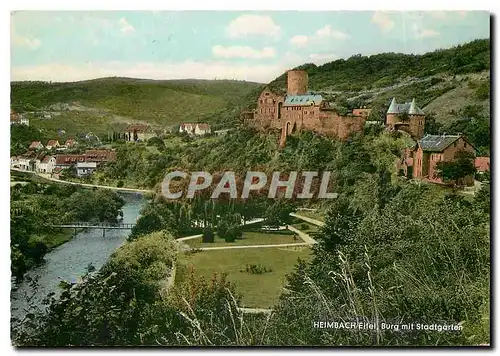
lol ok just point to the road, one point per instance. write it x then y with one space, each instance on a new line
122 189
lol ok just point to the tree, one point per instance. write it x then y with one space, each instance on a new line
278 213
229 227
458 169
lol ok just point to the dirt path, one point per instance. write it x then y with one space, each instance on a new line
309 220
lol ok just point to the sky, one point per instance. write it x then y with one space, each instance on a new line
244 45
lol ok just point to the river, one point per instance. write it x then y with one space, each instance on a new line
69 261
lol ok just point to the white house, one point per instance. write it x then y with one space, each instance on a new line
195 129
202 129
85 168
52 144
14 162
189 128
47 164
18 119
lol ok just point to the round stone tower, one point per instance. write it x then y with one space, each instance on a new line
297 82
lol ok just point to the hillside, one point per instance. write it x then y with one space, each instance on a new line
443 82
103 104
449 84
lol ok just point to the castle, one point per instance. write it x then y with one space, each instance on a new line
407 117
299 110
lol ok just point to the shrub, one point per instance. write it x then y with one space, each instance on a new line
208 236
119 184
256 269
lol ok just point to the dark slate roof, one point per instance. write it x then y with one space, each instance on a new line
307 99
437 143
410 108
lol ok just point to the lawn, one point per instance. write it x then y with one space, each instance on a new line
249 238
257 290
306 227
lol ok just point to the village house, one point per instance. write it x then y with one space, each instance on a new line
36 145
100 156
30 160
420 161
70 143
18 119
84 169
67 161
47 164
364 111
482 164
139 132
195 129
14 162
407 117
299 109
52 144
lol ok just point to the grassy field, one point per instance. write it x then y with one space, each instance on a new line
257 290
249 238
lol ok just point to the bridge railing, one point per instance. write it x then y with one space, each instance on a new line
98 225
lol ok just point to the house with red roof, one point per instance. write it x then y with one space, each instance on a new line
36 145
482 164
139 132
70 142
47 164
52 144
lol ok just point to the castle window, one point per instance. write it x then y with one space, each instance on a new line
261 101
465 145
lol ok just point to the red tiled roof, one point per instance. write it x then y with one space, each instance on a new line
46 158
52 143
69 159
35 144
482 163
204 126
100 155
70 142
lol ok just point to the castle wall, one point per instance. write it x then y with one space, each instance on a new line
415 124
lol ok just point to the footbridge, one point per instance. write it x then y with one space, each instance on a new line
90 225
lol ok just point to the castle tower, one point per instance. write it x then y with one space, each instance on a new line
297 82
392 112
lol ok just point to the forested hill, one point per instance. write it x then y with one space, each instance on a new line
162 102
459 74
449 84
